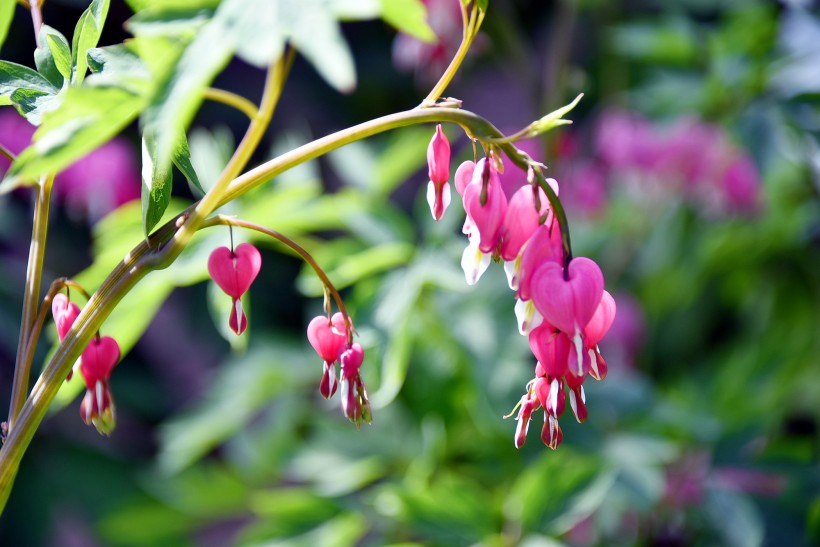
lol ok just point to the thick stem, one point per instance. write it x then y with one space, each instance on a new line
31 298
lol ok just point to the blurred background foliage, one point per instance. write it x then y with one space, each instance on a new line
691 174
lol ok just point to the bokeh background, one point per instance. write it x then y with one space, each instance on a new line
691 174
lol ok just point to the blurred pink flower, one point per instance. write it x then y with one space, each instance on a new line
691 159
91 187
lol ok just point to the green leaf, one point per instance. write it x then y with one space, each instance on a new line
182 159
408 16
180 91
317 36
60 49
181 21
53 56
14 77
6 17
86 35
118 66
156 184
240 389
33 104
87 118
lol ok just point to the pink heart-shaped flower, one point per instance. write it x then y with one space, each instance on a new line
98 360
521 220
234 272
325 339
569 304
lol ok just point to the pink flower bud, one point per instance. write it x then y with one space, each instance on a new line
64 312
487 217
351 360
521 220
438 157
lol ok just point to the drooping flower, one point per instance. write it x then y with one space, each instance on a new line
64 312
329 342
234 271
438 164
97 362
355 404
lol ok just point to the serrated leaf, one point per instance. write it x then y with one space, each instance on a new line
156 184
408 16
86 118
14 77
86 35
46 59
6 17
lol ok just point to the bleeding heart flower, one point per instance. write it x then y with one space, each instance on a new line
486 218
64 312
234 271
97 362
569 303
543 246
438 163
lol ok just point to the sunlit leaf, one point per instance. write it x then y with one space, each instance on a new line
52 56
14 76
156 183
6 17
86 35
408 16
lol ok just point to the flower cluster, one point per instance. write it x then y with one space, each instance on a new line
688 160
331 338
561 305
96 363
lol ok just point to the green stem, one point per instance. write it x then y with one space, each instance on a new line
231 99
471 26
31 298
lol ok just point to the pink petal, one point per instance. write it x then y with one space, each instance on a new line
601 320
234 272
324 339
438 157
568 304
98 359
